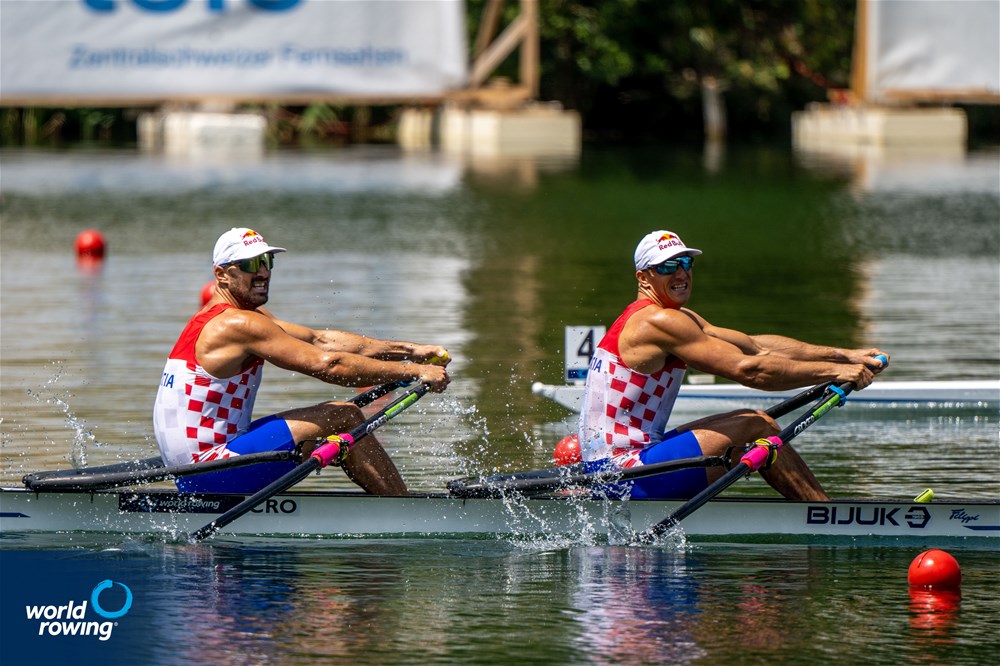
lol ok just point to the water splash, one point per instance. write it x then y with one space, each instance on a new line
83 437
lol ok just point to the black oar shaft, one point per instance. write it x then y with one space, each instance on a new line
836 397
280 485
796 401
568 477
315 461
97 480
373 394
699 500
151 470
555 478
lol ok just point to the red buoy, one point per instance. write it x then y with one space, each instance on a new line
90 244
935 569
207 292
567 451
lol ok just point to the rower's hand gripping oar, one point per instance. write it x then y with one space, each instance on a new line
331 450
763 452
376 392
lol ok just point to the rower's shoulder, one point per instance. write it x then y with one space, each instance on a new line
236 323
660 326
667 318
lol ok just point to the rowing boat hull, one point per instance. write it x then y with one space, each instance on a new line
977 394
173 514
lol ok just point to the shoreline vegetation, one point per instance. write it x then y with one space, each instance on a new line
635 70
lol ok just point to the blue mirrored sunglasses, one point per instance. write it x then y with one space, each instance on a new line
252 265
670 266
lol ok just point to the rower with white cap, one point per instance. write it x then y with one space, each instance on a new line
206 395
637 370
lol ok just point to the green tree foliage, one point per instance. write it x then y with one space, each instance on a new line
639 65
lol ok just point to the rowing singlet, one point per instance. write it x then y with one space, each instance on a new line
196 414
624 410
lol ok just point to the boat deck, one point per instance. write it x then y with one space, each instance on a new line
348 513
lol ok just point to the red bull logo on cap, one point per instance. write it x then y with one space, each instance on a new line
669 240
251 237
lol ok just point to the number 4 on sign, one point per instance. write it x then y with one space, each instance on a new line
581 343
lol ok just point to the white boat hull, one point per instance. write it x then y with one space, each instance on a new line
975 522
697 397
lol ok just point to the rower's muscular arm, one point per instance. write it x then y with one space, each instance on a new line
730 354
342 341
790 348
233 337
803 351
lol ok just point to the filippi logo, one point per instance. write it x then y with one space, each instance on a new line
69 619
215 6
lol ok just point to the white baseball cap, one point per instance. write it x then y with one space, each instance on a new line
657 247
240 243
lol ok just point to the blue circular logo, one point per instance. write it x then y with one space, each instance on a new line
104 585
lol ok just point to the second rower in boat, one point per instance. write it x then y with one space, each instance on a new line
639 365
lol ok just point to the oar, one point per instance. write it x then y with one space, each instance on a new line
151 470
565 477
324 454
572 475
796 401
751 461
374 393
110 477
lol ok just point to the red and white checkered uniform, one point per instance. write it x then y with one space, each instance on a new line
196 414
625 411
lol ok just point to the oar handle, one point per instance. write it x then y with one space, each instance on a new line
373 394
766 448
791 404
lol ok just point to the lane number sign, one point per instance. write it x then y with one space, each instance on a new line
581 343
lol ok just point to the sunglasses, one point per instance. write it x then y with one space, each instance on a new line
670 266
253 264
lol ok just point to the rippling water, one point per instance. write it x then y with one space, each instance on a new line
487 602
493 260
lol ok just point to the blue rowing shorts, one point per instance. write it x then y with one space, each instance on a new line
681 484
270 433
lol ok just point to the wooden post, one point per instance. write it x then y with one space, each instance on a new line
859 58
489 52
530 48
487 26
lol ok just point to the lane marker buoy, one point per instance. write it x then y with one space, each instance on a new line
935 569
207 291
567 451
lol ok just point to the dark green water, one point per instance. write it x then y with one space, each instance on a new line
494 260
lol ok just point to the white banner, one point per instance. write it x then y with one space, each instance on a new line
183 49
940 47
